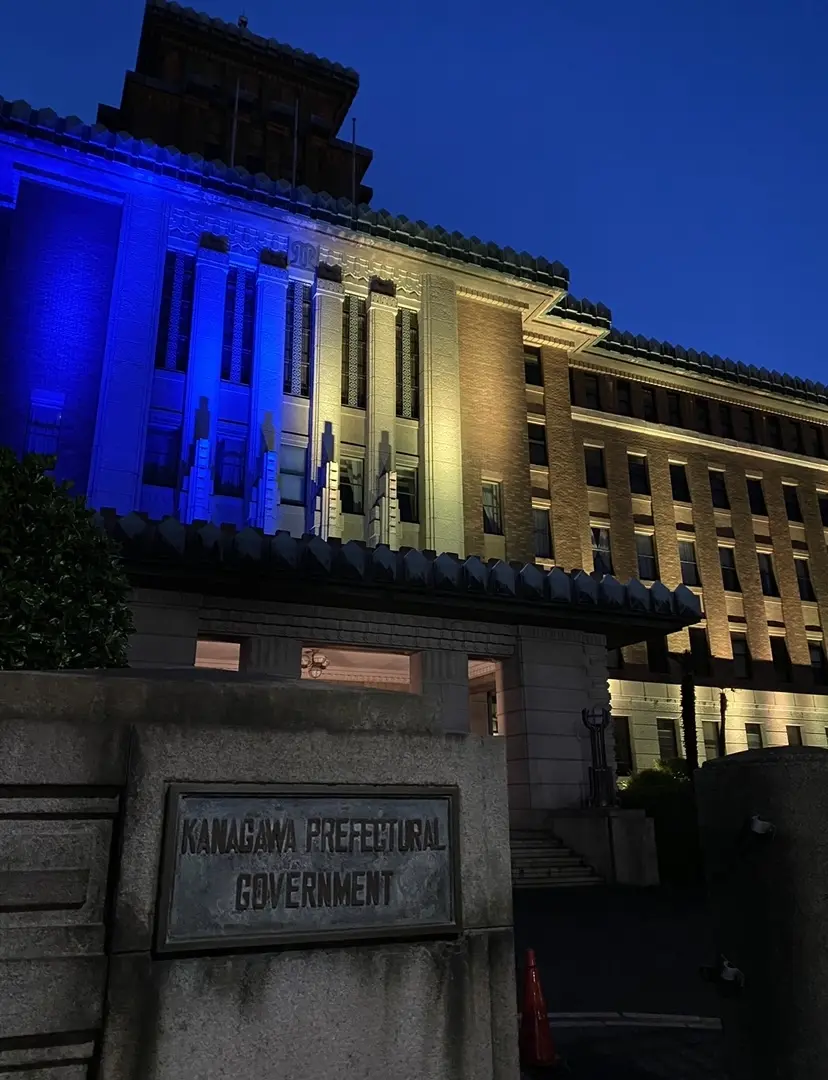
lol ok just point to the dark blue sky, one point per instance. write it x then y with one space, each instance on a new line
674 155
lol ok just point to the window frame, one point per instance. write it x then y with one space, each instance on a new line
651 556
600 554
493 522
589 472
684 485
638 471
730 573
718 489
686 562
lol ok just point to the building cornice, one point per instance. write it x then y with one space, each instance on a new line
711 444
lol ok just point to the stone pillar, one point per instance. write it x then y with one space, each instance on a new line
271 656
326 398
201 392
443 678
126 385
381 414
541 692
441 466
767 896
266 396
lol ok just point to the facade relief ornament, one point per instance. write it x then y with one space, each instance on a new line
191 225
364 271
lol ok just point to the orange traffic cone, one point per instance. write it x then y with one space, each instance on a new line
536 1046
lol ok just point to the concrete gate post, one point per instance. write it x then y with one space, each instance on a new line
768 893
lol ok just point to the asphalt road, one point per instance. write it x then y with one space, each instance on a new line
611 949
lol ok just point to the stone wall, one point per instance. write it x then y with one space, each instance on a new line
85 762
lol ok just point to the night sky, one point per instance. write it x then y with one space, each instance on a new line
672 153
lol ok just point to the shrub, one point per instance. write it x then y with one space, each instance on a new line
63 592
666 794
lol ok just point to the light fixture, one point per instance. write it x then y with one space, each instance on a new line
314 662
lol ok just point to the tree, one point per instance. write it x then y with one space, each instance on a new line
63 592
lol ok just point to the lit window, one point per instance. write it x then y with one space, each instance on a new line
350 485
492 509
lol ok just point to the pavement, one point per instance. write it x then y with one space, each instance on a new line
620 972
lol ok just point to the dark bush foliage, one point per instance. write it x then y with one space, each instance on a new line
666 794
63 592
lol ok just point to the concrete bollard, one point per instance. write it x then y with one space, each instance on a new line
763 817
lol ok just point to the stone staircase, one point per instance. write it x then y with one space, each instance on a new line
541 861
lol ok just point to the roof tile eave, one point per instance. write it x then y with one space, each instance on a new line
17 116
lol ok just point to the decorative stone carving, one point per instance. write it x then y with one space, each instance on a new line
363 272
190 225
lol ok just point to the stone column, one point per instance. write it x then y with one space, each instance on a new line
201 392
541 692
266 396
126 385
767 896
443 678
271 656
381 414
441 466
326 399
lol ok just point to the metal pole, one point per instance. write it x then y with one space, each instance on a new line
235 125
353 165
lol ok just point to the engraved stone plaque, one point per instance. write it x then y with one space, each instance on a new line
248 865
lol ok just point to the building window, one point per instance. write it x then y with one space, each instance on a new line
492 509
794 733
408 495
710 732
792 507
674 409
678 481
537 445
229 468
172 345
408 364
799 441
756 497
753 736
237 343
601 551
292 472
594 463
699 650
748 426
689 567
532 366
803 577
774 432
646 554
43 430
351 485
615 659
718 489
727 561
742 660
592 392
298 339
623 746
658 655
726 420
823 507
649 407
162 455
766 574
491 706
813 436
781 658
543 533
702 411
667 740
624 397
816 651
354 351
639 474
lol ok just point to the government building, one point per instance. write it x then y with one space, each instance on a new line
243 366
